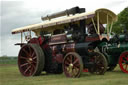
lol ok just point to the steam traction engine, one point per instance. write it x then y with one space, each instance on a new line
66 44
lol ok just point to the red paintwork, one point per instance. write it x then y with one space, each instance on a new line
41 40
45 46
38 40
58 39
65 48
69 47
89 38
122 62
59 58
34 41
21 31
85 70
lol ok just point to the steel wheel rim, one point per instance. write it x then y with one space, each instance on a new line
27 60
123 62
100 64
72 65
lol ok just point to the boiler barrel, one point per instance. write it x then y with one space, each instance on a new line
82 48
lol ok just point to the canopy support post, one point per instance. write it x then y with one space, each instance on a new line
107 26
21 37
111 27
30 34
94 25
98 23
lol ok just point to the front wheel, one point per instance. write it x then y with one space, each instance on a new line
72 65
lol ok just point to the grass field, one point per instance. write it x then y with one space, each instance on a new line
9 75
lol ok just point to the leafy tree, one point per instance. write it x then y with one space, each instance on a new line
118 27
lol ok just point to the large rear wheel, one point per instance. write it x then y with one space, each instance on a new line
72 65
123 62
31 60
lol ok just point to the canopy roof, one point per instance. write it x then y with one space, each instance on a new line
103 14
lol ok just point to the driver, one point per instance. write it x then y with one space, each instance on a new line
91 28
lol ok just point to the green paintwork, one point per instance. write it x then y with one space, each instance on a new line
114 50
122 39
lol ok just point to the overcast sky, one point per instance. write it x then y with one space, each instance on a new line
18 13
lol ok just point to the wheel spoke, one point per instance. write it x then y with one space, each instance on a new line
33 66
66 67
77 64
67 63
76 67
31 70
30 51
123 61
101 68
75 72
27 69
34 57
123 64
100 65
126 67
70 70
34 62
75 61
23 57
99 61
24 64
26 53
126 57
98 58
33 54
68 59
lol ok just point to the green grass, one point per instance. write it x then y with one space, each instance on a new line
10 75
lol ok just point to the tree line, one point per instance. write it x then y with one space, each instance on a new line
121 25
